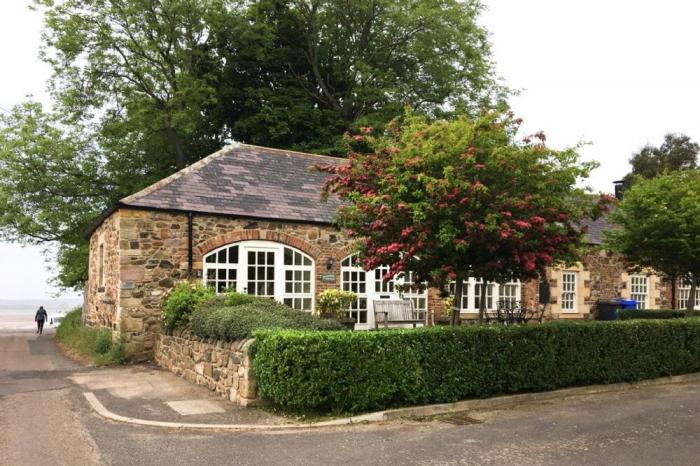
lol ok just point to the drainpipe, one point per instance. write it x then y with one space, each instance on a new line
190 216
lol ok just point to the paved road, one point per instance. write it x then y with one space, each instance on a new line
44 420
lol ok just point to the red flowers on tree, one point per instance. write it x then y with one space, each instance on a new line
450 199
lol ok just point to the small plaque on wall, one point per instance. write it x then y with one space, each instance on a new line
328 278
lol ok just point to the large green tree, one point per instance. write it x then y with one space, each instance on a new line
677 152
143 87
52 183
658 226
452 199
333 65
143 69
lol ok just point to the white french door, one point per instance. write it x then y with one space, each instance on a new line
259 272
369 287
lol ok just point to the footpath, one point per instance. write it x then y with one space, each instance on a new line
149 396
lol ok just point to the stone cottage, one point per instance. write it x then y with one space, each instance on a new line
250 218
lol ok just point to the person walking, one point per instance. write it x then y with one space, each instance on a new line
40 318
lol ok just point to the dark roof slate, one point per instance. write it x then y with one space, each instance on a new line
596 229
260 182
249 181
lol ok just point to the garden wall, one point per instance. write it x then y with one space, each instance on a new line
223 367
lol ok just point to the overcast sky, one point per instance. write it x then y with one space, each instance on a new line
617 74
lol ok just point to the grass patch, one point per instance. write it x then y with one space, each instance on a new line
94 344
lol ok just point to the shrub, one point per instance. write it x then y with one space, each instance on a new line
233 298
653 314
237 322
96 344
360 371
333 302
181 301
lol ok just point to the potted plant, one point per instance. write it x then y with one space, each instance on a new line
333 303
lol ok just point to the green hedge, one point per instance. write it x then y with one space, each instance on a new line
653 314
361 371
181 301
210 320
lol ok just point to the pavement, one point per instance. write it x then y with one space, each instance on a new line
46 419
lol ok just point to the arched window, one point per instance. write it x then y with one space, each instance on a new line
369 286
263 268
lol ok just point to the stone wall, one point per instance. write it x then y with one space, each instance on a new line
102 288
149 254
602 275
223 367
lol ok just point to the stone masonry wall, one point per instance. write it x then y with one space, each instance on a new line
152 255
223 367
102 288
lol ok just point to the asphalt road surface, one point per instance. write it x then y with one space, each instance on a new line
44 420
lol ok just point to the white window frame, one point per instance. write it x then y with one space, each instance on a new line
472 289
684 294
376 288
279 271
353 278
569 291
639 290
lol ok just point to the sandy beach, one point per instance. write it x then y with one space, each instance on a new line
17 322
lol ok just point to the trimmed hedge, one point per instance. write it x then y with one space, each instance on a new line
240 321
361 371
653 314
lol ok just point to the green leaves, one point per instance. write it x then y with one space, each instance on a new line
450 196
658 224
362 371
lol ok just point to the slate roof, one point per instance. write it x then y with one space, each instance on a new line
258 182
248 181
596 229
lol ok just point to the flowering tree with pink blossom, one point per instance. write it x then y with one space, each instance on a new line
450 199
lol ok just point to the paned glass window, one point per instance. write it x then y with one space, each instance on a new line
297 280
684 295
353 278
568 291
409 290
490 305
509 293
221 269
262 268
381 286
465 294
639 288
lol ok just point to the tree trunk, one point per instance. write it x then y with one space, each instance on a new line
690 308
457 301
482 302
175 141
674 279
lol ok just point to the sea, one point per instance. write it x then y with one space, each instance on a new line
18 314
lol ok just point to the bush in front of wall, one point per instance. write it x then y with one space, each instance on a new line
181 301
231 323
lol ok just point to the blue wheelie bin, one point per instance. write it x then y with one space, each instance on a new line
627 304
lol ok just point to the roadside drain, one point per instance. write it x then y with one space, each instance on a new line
459 419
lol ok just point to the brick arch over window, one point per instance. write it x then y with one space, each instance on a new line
260 235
